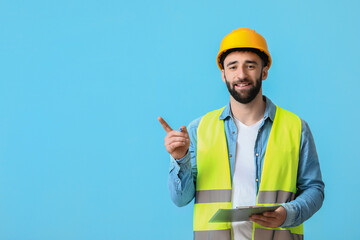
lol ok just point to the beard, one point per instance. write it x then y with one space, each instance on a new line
247 95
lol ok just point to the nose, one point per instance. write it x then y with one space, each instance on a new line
241 73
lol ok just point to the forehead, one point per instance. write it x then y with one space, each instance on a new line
242 56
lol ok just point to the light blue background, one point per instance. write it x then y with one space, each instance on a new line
82 84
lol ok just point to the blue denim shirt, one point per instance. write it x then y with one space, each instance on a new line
310 194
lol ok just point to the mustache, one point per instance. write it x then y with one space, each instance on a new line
245 80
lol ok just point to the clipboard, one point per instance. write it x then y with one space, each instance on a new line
240 213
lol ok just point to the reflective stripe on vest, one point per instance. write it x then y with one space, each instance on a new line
213 184
212 196
213 235
269 234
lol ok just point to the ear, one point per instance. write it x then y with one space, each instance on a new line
265 72
223 75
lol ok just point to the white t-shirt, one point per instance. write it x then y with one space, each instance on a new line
243 185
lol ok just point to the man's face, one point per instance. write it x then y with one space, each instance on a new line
243 74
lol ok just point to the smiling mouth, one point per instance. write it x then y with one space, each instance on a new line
242 85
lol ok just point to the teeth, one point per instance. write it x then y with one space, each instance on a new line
242 84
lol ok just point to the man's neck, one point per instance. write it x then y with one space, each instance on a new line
249 113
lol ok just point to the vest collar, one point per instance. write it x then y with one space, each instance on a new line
270 110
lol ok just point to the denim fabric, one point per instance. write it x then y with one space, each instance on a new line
310 195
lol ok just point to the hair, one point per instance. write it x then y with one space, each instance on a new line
264 57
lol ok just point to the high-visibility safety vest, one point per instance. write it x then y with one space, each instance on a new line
213 183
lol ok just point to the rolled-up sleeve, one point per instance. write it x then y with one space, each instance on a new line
183 172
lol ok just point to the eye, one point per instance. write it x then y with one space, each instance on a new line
232 67
251 66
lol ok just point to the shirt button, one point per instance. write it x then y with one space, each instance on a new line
257 154
230 155
233 132
257 180
178 181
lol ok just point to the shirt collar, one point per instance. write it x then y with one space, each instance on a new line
270 110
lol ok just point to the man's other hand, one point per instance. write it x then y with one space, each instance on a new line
177 143
270 219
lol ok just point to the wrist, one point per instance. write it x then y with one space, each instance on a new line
179 156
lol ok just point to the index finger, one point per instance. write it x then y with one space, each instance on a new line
164 124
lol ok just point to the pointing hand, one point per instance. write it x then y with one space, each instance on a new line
177 143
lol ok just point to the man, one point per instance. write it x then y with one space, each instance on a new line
251 152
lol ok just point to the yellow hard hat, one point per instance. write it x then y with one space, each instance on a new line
243 38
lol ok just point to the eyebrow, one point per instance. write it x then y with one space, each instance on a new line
247 61
230 63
